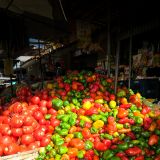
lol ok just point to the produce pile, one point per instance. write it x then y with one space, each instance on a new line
78 116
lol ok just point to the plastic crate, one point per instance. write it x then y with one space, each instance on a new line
28 155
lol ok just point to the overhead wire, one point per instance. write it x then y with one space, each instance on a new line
62 10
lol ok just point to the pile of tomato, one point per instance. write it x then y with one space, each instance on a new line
78 116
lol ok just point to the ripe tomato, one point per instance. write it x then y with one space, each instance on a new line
39 134
42 121
5 140
6 113
43 103
5 129
27 139
49 104
32 146
17 132
1 149
44 96
28 120
38 115
6 120
16 121
27 129
55 122
43 128
153 139
16 107
43 110
13 148
35 100
52 111
45 141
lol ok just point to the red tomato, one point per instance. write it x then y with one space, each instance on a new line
43 128
112 97
43 103
17 107
44 96
16 121
35 100
52 111
38 115
35 124
5 140
43 110
23 148
17 132
1 149
5 129
27 129
28 120
49 104
6 113
55 122
42 121
6 120
39 134
13 148
45 141
33 146
27 139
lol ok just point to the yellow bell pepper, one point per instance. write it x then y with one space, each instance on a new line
86 119
87 105
98 124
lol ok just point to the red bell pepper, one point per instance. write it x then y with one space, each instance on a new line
133 151
139 158
91 111
145 109
131 135
107 142
153 139
100 146
125 106
88 99
147 122
120 154
122 113
126 120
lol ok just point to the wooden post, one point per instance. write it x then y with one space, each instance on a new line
130 61
117 66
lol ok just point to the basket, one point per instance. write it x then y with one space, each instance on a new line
28 155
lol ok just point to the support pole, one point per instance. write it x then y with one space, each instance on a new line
117 66
130 61
40 64
108 44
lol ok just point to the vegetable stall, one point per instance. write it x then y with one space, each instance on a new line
79 116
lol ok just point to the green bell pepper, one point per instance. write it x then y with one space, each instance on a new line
136 129
66 103
145 134
52 153
75 101
123 146
94 130
78 135
138 120
59 142
88 145
63 132
57 129
62 150
116 158
72 121
48 148
96 117
108 154
58 157
133 108
82 123
157 132
65 125
65 118
57 103
80 154
108 136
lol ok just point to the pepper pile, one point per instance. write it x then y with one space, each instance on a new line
92 123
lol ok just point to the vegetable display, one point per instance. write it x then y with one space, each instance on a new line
78 116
